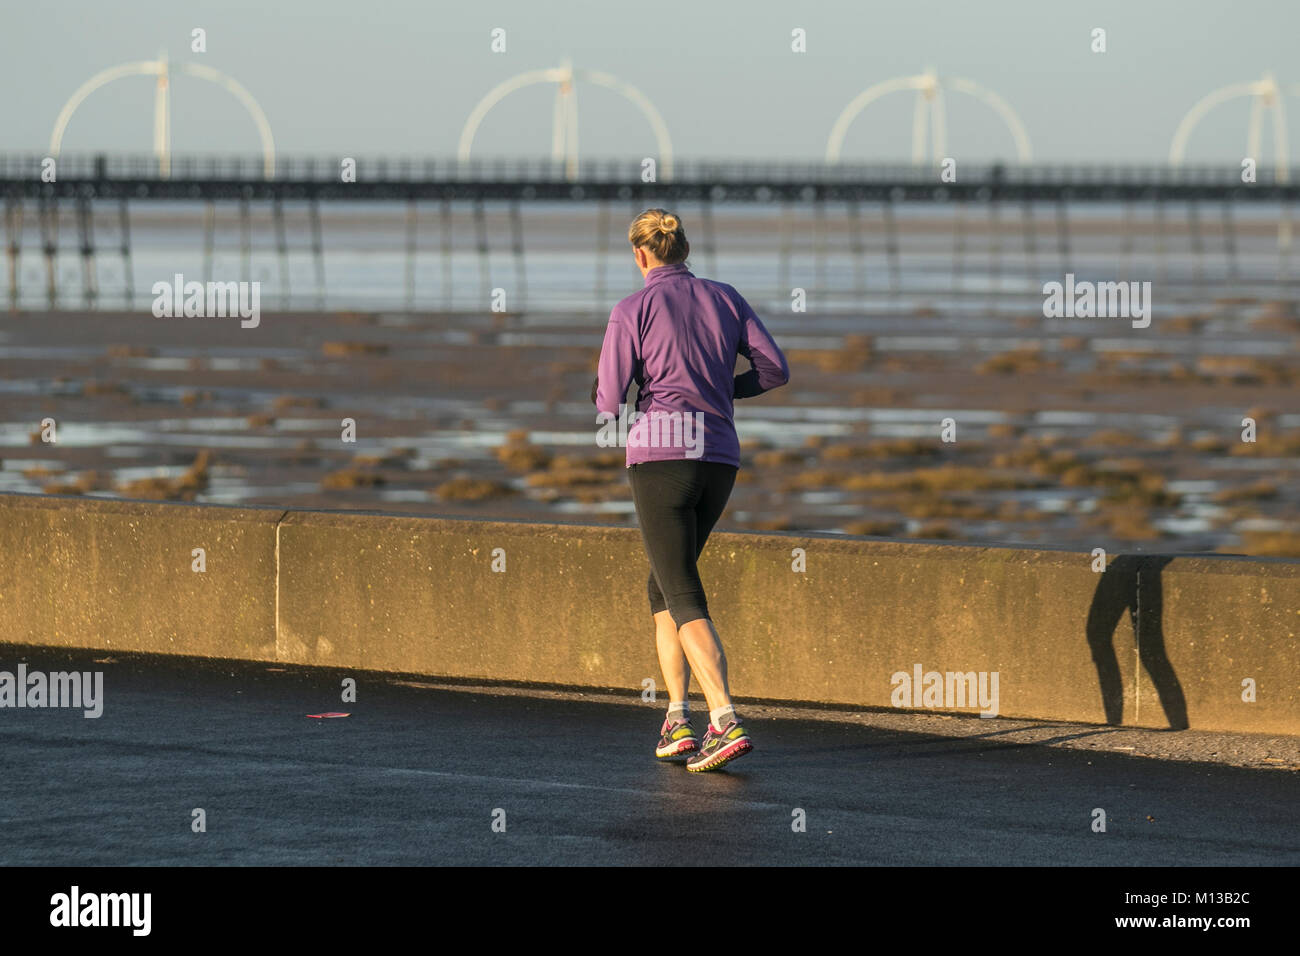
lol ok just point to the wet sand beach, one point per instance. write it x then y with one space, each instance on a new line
1067 432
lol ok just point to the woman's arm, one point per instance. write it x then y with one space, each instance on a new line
618 362
769 367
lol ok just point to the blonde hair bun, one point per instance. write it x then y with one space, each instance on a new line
660 232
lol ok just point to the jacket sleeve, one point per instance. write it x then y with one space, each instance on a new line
769 367
618 362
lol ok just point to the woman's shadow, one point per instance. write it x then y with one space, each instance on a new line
1132 583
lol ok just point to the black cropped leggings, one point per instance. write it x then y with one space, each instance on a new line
677 504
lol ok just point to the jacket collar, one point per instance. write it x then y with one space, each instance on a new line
662 272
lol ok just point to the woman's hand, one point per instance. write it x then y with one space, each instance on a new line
746 385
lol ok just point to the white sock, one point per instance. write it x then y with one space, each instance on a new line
679 710
722 716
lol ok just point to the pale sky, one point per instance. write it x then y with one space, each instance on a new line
399 77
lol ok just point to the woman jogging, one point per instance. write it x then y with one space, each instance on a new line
678 338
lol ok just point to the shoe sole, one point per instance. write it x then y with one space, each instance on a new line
684 749
737 749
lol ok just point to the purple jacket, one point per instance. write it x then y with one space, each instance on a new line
678 338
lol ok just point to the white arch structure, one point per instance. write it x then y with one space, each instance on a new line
160 69
1265 94
564 128
929 99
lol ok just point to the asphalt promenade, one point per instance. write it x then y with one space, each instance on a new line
419 774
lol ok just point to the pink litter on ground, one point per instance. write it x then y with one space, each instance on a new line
332 714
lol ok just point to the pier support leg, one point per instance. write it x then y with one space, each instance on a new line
13 245
710 244
1126 243
1230 240
1284 233
245 240
602 251
444 240
1063 236
128 276
282 251
1030 233
1161 264
484 266
412 246
787 238
819 248
49 222
317 251
891 250
517 249
1198 243
995 255
86 237
959 246
856 251
209 238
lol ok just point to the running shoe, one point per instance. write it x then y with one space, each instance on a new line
720 747
676 739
